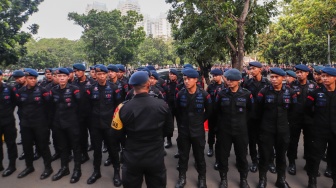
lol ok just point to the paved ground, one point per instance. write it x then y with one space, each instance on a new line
32 180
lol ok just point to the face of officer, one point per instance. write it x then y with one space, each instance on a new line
189 83
328 80
120 74
317 77
101 78
152 80
289 79
255 71
31 81
71 76
55 79
20 80
93 74
172 76
62 79
301 75
276 80
217 78
233 84
112 75
48 76
79 73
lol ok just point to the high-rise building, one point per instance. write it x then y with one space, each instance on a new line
126 5
96 6
157 27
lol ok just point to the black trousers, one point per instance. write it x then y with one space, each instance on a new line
173 113
280 143
198 144
10 133
318 144
253 134
68 139
240 143
98 136
84 125
295 133
38 135
212 130
154 172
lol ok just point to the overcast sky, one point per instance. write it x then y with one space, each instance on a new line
52 15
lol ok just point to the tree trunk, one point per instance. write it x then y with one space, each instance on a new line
240 31
234 59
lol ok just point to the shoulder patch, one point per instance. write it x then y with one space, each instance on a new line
116 122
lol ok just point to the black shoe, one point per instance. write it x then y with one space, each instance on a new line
104 149
224 181
46 173
75 176
116 178
108 162
70 158
201 183
168 144
271 168
94 177
292 169
281 183
19 143
324 157
36 156
254 167
85 157
55 157
210 153
318 173
26 171
216 166
262 183
328 173
90 148
177 155
312 182
22 156
8 171
181 181
64 171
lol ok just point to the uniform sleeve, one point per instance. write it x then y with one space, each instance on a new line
45 95
207 105
260 103
117 127
309 105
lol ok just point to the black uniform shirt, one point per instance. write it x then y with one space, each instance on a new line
7 104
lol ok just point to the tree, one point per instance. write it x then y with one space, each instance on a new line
227 26
110 37
13 15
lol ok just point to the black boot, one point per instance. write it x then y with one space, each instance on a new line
116 177
26 171
202 181
272 168
94 177
262 180
104 149
55 156
312 182
210 151
108 161
216 165
243 181
291 168
224 181
36 155
168 144
90 148
281 182
254 166
328 172
11 168
64 171
22 156
46 173
182 181
76 175
85 157
177 155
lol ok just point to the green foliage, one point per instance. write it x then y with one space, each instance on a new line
110 37
14 14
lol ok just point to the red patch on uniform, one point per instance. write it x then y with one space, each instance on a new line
117 91
311 98
17 95
260 95
45 94
76 91
208 96
68 100
251 96
88 92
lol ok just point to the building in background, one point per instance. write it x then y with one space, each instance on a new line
96 6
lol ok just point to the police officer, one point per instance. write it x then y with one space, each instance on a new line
121 73
104 99
231 107
7 126
317 75
71 75
84 84
213 88
194 106
274 101
47 77
32 101
154 83
302 86
65 125
144 152
290 77
321 105
92 73
255 84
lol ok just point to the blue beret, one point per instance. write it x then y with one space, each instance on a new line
31 72
173 71
140 68
302 67
48 70
278 71
188 66
318 69
148 71
54 70
70 69
121 67
233 74
79 66
138 78
190 73
155 74
0 72
18 73
112 68
216 72
92 67
62 71
329 70
291 73
101 68
255 64
150 67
